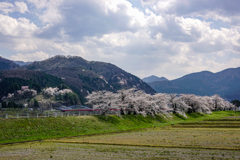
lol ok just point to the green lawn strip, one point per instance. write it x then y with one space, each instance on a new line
211 123
223 119
20 130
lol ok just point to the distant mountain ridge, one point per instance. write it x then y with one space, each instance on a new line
154 79
6 64
225 83
21 63
86 76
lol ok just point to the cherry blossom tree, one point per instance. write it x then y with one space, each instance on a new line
161 101
136 101
63 92
50 91
10 95
102 100
219 103
124 99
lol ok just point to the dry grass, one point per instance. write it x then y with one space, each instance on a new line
172 137
48 150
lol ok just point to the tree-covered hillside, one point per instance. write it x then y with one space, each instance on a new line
12 80
86 76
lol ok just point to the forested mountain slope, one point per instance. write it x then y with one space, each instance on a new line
225 83
86 76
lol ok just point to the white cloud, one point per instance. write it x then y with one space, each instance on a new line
92 18
68 49
20 27
39 3
21 7
37 56
226 11
7 7
115 39
24 45
51 14
47 11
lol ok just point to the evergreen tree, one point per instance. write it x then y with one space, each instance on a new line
37 87
36 103
236 102
4 104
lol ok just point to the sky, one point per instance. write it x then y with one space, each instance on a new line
169 38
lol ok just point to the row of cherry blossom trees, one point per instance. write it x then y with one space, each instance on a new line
138 102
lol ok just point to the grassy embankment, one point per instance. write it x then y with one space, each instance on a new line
20 130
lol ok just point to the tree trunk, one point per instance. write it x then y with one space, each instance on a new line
122 112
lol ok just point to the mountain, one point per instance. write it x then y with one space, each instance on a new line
225 83
84 77
6 64
21 63
153 79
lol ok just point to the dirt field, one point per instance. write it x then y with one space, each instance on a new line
222 138
50 150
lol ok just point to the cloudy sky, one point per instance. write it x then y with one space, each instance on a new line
168 38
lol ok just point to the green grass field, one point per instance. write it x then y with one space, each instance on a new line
19 130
